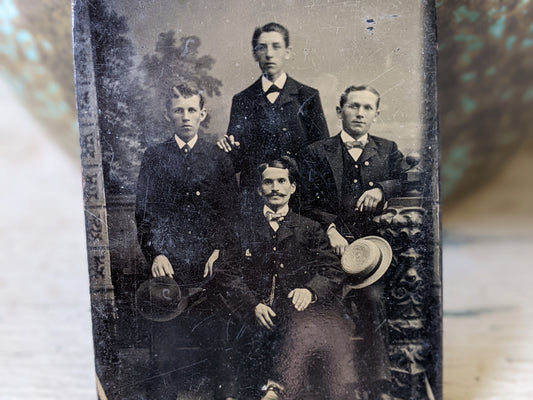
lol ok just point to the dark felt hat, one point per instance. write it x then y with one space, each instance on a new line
160 299
366 260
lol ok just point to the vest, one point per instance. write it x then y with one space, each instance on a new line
356 224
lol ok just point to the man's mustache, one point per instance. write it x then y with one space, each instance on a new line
271 194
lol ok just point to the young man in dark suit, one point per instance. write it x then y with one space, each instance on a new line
276 115
186 195
348 179
284 282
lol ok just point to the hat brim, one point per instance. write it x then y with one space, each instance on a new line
142 297
386 259
151 316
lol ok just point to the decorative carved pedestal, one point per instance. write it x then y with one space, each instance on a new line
102 294
413 291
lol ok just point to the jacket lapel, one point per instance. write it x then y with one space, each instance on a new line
286 228
369 151
198 155
257 90
333 148
289 91
259 227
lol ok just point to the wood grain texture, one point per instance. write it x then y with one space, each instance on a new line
488 319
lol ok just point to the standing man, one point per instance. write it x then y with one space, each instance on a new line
284 282
185 196
275 116
348 179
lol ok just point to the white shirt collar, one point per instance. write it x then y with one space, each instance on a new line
280 82
283 211
345 137
191 142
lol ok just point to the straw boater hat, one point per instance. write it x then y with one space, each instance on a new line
160 299
366 260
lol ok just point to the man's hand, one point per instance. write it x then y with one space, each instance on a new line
208 270
161 267
370 200
301 298
228 143
264 314
337 241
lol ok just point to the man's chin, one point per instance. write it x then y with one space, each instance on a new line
270 72
276 204
186 134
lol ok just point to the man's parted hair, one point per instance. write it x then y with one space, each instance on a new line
270 27
183 90
359 88
284 162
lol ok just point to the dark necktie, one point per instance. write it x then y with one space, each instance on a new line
274 217
272 89
186 149
355 144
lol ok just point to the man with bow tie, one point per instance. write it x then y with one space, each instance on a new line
273 117
348 179
283 280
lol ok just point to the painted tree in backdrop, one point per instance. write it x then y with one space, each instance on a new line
131 98
118 93
175 61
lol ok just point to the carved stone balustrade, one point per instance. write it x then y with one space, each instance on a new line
412 288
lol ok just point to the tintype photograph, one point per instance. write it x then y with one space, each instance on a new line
261 198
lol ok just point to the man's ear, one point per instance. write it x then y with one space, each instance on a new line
339 112
376 117
288 52
293 187
203 114
167 117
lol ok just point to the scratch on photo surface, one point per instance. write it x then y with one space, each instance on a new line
333 27
393 87
383 73
95 216
171 371
475 312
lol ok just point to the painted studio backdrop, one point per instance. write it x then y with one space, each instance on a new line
139 48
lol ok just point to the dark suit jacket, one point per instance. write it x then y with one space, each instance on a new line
262 260
266 131
380 165
183 204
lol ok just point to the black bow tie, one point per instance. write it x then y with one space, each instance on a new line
274 217
355 144
272 89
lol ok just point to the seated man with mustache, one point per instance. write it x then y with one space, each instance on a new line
283 281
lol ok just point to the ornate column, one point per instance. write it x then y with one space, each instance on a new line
101 288
412 305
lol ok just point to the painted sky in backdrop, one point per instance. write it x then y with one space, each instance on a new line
335 44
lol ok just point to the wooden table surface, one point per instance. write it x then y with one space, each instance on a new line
488 289
45 342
